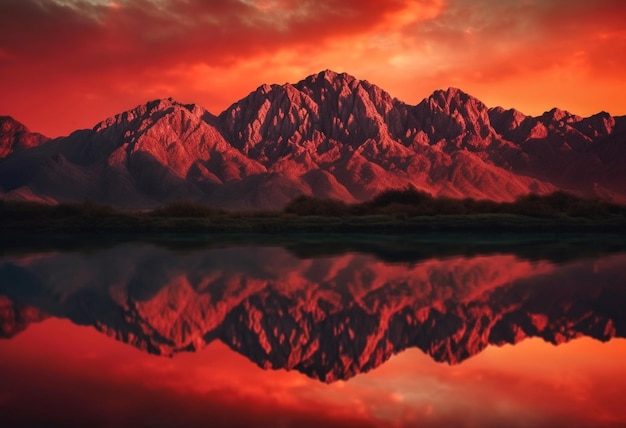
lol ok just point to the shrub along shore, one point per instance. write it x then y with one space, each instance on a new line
394 211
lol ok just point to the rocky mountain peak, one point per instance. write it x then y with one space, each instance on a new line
506 121
151 111
8 124
558 117
452 99
599 125
322 113
328 135
328 77
14 136
329 87
456 117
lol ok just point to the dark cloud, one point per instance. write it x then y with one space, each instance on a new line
80 33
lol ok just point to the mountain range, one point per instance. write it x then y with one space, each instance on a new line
329 136
329 317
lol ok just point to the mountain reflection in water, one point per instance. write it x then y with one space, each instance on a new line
329 317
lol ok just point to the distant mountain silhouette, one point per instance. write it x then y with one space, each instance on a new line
327 317
330 136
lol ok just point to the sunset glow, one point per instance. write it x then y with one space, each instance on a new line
66 64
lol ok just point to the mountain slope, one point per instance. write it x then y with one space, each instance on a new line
330 136
156 152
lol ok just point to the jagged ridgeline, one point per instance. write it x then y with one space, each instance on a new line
328 136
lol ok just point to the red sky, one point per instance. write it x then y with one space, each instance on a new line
67 64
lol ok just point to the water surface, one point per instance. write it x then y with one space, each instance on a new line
145 334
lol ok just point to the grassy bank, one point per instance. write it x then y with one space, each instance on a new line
392 212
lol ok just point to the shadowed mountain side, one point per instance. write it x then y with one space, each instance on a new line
329 136
327 317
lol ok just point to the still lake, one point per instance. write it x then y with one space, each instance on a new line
314 332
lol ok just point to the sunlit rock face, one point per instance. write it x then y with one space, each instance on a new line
329 317
330 136
15 137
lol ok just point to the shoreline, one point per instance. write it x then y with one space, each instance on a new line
137 224
395 212
408 247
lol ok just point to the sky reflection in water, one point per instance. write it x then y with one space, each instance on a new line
235 303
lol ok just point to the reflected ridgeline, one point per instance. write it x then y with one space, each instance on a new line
329 317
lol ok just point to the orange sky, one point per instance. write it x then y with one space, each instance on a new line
66 64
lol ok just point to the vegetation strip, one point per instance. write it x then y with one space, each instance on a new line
394 211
